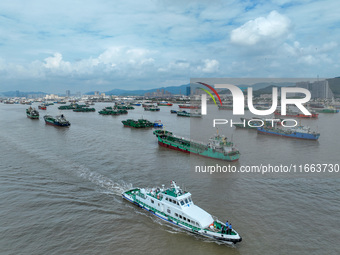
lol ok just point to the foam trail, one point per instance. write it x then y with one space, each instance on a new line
67 165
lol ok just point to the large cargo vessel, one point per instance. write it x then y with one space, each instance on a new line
175 206
299 132
218 147
58 121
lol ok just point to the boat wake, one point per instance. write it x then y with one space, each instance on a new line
101 180
69 166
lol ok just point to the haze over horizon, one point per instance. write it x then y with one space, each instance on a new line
83 46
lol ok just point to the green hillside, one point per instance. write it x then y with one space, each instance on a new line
334 85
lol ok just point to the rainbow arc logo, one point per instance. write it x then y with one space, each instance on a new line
208 92
204 106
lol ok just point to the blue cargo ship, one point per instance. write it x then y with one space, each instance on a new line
299 132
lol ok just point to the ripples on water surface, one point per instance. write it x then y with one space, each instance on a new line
60 188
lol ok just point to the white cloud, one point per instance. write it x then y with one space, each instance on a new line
261 29
136 43
310 55
210 66
54 62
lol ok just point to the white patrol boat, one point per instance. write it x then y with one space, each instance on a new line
176 206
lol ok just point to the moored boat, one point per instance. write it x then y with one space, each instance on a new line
164 104
298 132
157 124
175 206
32 113
218 147
329 109
59 121
152 108
141 123
84 109
124 107
136 104
71 106
42 107
188 114
297 114
188 106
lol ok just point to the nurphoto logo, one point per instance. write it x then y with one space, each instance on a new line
238 99
239 105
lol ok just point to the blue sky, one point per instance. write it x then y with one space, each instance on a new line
84 45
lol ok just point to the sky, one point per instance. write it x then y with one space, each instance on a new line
84 45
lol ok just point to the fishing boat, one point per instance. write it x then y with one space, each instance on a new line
157 124
71 106
141 123
217 147
164 104
188 114
296 114
32 113
84 109
175 206
188 106
136 104
42 107
152 108
298 132
108 111
124 107
112 111
329 109
58 121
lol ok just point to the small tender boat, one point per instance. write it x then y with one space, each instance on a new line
175 206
